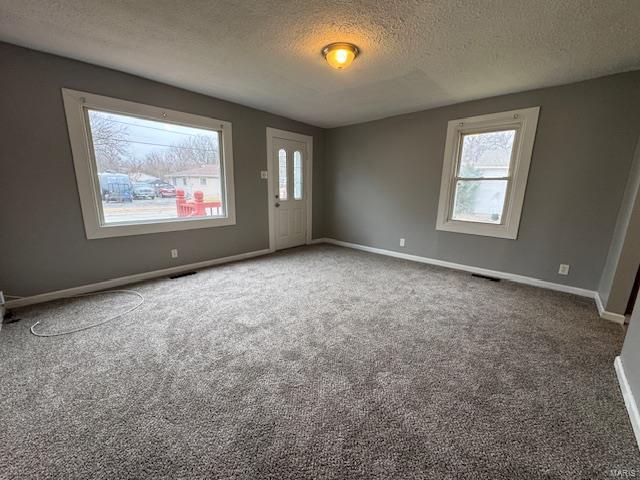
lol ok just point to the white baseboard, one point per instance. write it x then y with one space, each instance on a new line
536 282
612 317
138 277
467 268
629 400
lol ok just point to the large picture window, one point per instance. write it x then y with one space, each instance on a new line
142 169
485 173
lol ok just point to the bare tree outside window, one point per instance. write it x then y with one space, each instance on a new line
109 141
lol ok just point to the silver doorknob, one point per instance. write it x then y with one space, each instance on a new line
277 204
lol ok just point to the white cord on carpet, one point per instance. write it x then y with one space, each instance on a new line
133 292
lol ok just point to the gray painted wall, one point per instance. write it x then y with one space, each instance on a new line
622 262
42 237
630 355
382 181
373 183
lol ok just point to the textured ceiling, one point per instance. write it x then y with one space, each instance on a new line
416 54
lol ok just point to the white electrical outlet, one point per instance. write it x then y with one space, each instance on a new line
402 242
263 174
174 253
564 269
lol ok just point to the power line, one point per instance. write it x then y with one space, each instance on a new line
154 144
156 128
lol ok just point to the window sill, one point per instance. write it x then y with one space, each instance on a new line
483 229
123 230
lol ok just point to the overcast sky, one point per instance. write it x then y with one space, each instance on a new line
145 136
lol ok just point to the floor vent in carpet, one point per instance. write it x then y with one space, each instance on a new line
180 275
486 277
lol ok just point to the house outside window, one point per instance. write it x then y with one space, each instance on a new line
203 178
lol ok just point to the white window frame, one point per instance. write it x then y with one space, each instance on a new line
76 104
525 122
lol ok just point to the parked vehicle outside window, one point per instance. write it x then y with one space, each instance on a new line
143 190
163 189
115 187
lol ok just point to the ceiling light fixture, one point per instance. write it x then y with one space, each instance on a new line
340 55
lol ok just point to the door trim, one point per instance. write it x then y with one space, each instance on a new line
307 181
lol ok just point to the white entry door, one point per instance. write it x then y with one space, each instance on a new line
290 168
